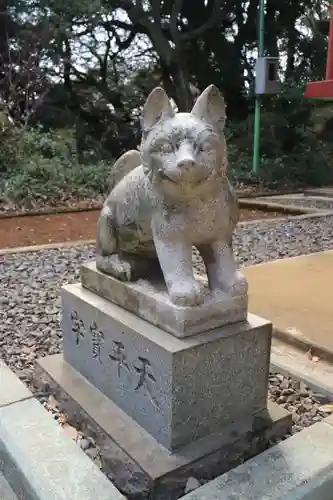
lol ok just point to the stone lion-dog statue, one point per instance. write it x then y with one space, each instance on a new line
170 196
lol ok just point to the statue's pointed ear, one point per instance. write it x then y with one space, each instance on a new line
210 107
156 108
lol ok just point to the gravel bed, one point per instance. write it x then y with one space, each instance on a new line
300 201
305 406
30 296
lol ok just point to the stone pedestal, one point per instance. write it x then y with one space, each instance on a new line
179 390
163 407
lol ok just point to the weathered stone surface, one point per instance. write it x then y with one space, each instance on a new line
179 390
41 463
173 195
11 388
299 468
6 492
150 301
138 465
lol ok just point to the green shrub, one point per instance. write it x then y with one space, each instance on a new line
59 144
44 166
51 179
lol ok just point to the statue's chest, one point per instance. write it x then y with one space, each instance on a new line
202 222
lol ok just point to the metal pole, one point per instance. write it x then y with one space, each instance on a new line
256 136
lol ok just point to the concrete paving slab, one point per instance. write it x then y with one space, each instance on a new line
11 388
41 463
300 468
6 493
295 294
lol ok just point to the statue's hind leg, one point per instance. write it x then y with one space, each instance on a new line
110 260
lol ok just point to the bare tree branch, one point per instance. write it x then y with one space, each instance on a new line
104 61
24 83
214 18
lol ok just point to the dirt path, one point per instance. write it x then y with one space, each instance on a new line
45 229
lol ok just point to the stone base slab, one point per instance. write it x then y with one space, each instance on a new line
179 390
135 462
150 301
299 468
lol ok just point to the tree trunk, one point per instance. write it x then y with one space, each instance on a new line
177 86
4 48
184 98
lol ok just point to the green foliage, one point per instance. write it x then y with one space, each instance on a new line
291 151
58 144
44 166
52 180
77 74
9 139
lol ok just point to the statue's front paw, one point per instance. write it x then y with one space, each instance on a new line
124 271
186 294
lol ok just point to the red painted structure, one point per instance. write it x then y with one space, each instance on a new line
324 89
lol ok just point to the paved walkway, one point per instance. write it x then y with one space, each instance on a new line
296 295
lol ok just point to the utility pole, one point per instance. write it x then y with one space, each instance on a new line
256 136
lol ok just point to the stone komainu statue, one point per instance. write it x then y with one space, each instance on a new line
170 196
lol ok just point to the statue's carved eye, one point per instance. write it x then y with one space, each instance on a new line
206 145
164 147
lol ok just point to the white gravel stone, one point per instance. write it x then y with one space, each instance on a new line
191 485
